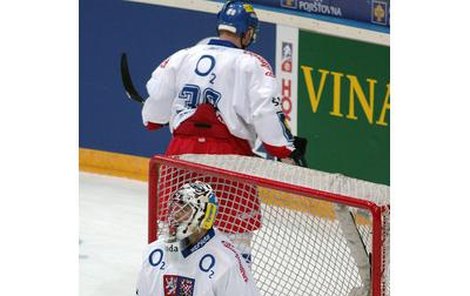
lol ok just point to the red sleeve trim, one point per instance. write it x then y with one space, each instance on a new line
151 126
281 152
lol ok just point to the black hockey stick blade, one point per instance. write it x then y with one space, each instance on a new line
127 81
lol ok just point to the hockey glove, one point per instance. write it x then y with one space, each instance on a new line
298 155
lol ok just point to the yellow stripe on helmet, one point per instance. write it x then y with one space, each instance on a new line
248 8
209 217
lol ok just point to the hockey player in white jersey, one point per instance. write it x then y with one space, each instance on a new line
218 97
192 258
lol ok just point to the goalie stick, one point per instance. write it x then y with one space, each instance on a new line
131 92
357 247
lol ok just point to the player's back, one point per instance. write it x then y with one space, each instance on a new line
225 76
215 69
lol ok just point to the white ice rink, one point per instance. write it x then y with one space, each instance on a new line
113 221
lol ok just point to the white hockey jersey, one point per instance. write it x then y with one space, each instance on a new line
240 84
212 267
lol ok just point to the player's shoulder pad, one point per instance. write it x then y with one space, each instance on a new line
151 248
260 62
236 259
175 58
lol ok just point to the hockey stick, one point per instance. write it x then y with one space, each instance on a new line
131 92
357 247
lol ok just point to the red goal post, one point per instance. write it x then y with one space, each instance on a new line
314 233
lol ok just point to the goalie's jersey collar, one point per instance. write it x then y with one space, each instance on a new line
221 42
193 248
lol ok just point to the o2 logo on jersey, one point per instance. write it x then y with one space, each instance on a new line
156 259
206 264
204 66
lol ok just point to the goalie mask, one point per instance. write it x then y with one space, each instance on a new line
191 208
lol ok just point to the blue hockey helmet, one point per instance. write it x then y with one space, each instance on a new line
237 16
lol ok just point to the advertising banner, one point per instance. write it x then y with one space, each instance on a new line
287 44
368 11
344 104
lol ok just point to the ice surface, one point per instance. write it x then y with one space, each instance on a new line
113 232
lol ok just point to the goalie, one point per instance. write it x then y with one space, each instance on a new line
193 258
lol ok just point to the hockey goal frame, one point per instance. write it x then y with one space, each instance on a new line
376 211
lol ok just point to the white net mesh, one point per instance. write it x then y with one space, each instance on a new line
298 245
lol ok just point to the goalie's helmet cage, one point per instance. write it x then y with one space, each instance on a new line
192 207
237 17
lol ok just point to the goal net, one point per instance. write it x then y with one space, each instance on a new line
310 232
